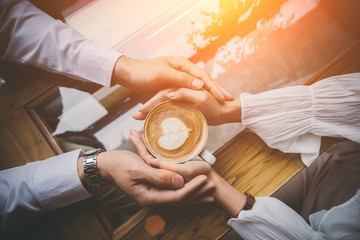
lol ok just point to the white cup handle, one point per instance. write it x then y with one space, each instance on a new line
207 156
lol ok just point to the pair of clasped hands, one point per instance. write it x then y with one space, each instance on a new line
154 181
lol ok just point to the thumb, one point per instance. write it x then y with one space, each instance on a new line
162 178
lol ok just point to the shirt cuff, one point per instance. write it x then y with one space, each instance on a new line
96 63
57 182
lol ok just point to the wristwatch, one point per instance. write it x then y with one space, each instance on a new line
250 200
91 171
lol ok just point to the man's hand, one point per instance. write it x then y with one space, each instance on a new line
148 185
215 113
231 200
148 77
188 170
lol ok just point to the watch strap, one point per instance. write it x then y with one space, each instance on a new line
250 200
91 171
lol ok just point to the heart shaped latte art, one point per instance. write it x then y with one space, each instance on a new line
175 134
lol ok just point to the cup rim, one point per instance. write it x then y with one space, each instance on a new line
196 153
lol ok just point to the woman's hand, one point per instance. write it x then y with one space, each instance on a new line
215 113
231 200
188 170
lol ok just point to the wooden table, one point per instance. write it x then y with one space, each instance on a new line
248 164
245 162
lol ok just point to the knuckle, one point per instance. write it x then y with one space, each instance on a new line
143 202
191 173
159 179
144 199
135 173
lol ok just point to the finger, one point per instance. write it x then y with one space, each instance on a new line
207 199
184 79
227 95
163 164
213 88
139 144
176 196
139 116
155 100
202 191
201 194
161 178
184 65
185 94
187 170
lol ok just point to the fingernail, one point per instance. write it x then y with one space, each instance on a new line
177 181
198 84
137 115
155 163
170 94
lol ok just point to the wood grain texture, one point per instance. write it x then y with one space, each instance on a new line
248 164
21 142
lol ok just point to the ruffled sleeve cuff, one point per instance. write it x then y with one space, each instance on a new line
283 119
293 119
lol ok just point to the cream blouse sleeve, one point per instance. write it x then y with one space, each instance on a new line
293 119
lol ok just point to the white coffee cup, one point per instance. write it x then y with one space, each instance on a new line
177 132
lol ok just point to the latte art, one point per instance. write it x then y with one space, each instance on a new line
175 131
175 134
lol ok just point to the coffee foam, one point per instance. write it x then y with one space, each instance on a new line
175 134
175 131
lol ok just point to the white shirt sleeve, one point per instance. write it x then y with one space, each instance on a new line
38 187
29 36
272 219
293 119
340 222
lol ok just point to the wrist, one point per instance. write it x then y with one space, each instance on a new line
231 111
121 71
229 198
90 174
103 167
